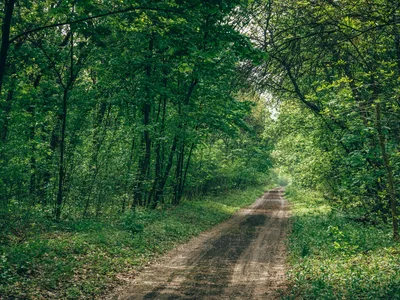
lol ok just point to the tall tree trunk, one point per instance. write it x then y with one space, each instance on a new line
159 192
32 133
62 151
179 175
389 171
33 171
147 156
66 88
396 38
98 139
46 176
6 111
179 171
144 163
61 167
126 198
158 167
185 171
5 38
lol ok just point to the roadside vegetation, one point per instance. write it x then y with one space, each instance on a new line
335 255
84 258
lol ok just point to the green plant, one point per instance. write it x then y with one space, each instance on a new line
335 257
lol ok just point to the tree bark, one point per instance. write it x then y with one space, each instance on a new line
187 168
5 38
62 150
6 111
179 175
66 88
163 180
389 172
144 163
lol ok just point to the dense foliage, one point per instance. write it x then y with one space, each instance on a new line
334 67
111 112
109 109
334 256
109 105
80 259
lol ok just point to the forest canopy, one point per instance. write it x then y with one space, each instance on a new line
109 105
335 67
121 114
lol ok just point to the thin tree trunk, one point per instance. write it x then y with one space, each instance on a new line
6 112
144 163
158 168
389 172
62 150
32 181
178 175
61 172
33 170
163 180
187 168
128 177
396 40
5 38
97 143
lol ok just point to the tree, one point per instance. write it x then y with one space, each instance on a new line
113 107
321 54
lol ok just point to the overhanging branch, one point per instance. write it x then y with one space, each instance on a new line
70 22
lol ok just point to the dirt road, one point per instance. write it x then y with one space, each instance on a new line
242 258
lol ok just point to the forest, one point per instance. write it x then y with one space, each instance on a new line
119 119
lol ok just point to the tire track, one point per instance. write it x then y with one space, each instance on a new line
242 258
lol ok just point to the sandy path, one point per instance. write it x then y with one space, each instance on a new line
242 258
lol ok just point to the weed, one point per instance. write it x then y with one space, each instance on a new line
80 258
335 257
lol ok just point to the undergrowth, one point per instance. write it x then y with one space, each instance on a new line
334 257
82 258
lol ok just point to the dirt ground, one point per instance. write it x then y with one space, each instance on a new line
242 258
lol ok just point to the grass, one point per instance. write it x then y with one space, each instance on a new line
334 257
81 259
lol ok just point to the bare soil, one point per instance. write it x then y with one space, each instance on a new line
242 258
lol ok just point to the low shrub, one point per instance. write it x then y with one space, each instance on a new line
74 259
335 257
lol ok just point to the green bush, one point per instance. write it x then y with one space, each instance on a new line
335 257
74 259
135 220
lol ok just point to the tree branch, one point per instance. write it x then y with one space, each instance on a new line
70 22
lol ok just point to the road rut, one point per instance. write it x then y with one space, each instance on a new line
242 258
